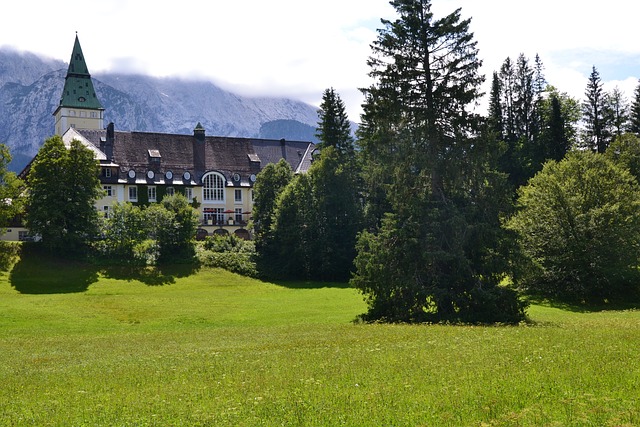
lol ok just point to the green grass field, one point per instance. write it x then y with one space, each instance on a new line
80 346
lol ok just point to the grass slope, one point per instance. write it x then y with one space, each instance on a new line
211 348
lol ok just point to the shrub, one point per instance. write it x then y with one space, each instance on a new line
230 253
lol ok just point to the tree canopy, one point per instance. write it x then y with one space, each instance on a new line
579 226
11 189
63 186
430 255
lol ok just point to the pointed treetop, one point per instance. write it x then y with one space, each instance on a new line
199 127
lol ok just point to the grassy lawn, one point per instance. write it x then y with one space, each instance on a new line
80 346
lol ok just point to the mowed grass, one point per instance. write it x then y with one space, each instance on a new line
210 348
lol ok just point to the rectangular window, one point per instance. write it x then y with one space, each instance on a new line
188 193
108 190
170 191
238 215
238 196
151 192
106 209
252 199
106 172
133 194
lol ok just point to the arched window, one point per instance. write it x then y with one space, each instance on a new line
213 187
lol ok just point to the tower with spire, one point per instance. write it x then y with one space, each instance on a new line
79 106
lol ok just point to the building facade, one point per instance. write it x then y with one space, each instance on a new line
216 173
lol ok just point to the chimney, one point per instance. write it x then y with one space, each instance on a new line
199 162
108 145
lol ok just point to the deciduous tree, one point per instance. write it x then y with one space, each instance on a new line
63 187
579 225
11 190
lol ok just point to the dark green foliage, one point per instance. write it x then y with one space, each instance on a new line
175 231
316 217
579 226
269 184
123 233
419 272
334 129
230 253
634 112
160 233
11 190
289 248
63 187
437 256
559 114
595 116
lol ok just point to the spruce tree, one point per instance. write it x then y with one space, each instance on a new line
634 112
334 128
594 114
618 115
433 257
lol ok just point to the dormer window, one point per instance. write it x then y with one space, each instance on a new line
154 156
106 172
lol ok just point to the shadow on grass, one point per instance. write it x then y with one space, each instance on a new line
39 272
309 284
583 307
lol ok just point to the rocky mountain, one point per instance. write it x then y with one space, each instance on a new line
30 89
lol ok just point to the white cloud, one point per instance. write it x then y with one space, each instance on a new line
298 48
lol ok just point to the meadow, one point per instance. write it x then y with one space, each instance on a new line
87 346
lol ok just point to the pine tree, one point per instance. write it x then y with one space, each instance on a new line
617 109
430 259
634 113
593 110
334 128
495 107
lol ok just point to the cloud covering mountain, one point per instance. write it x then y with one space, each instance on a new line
30 89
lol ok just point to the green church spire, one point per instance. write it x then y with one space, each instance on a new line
78 89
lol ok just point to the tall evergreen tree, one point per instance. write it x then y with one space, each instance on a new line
594 114
318 215
617 110
554 143
495 107
634 111
270 184
430 259
334 129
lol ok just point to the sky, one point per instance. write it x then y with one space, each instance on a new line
298 48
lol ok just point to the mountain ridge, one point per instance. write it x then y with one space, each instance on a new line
30 88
